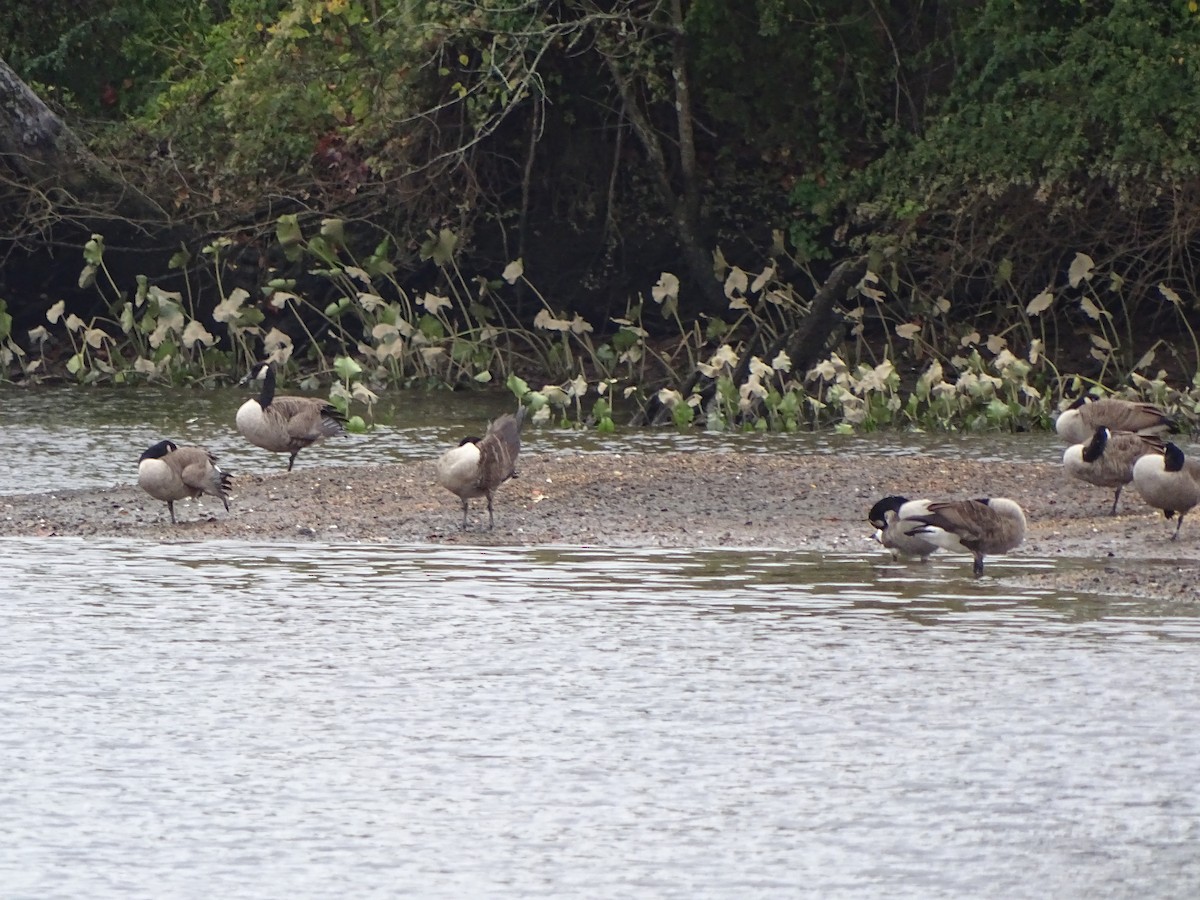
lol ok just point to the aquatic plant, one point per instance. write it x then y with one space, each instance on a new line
897 364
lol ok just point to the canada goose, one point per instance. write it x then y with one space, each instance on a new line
986 525
169 472
1170 482
1077 423
284 424
892 517
477 466
1107 459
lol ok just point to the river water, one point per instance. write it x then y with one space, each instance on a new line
274 720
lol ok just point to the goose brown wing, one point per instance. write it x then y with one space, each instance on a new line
966 518
1132 416
194 465
498 452
1124 448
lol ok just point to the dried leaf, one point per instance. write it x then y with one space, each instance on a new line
1040 303
1170 295
737 283
1093 311
908 331
760 282
666 288
513 271
1081 269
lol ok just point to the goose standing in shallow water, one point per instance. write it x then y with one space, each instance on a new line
1170 482
1107 459
284 424
169 472
893 519
980 527
1077 423
477 466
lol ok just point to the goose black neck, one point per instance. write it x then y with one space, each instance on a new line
1173 458
268 388
1095 447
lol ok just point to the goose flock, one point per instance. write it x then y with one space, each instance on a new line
1113 443
168 472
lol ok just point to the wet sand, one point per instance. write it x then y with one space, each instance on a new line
692 499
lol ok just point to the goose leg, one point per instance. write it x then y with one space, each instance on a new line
1116 497
1178 525
292 459
465 506
977 569
171 510
491 520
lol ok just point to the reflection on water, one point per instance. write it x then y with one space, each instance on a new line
69 437
273 720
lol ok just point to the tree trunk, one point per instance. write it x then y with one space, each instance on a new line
682 201
52 166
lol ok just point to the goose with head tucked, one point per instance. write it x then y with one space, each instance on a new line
478 466
1078 423
285 424
1108 458
893 518
169 472
982 527
1170 482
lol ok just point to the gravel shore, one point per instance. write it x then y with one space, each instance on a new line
686 499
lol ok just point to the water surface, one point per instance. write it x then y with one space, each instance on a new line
227 719
57 438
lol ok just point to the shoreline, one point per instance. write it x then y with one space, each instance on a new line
695 499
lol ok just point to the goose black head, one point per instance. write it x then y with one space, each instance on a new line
878 514
159 450
1173 457
1094 448
468 440
1080 401
258 373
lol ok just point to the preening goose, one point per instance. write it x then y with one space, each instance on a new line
1079 421
169 472
477 466
1107 459
1170 482
284 424
989 525
893 519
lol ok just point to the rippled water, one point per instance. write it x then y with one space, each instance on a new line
66 437
274 720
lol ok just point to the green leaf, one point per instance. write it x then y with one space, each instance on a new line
93 250
334 230
287 232
431 327
517 385
323 250
356 425
440 247
75 363
346 368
